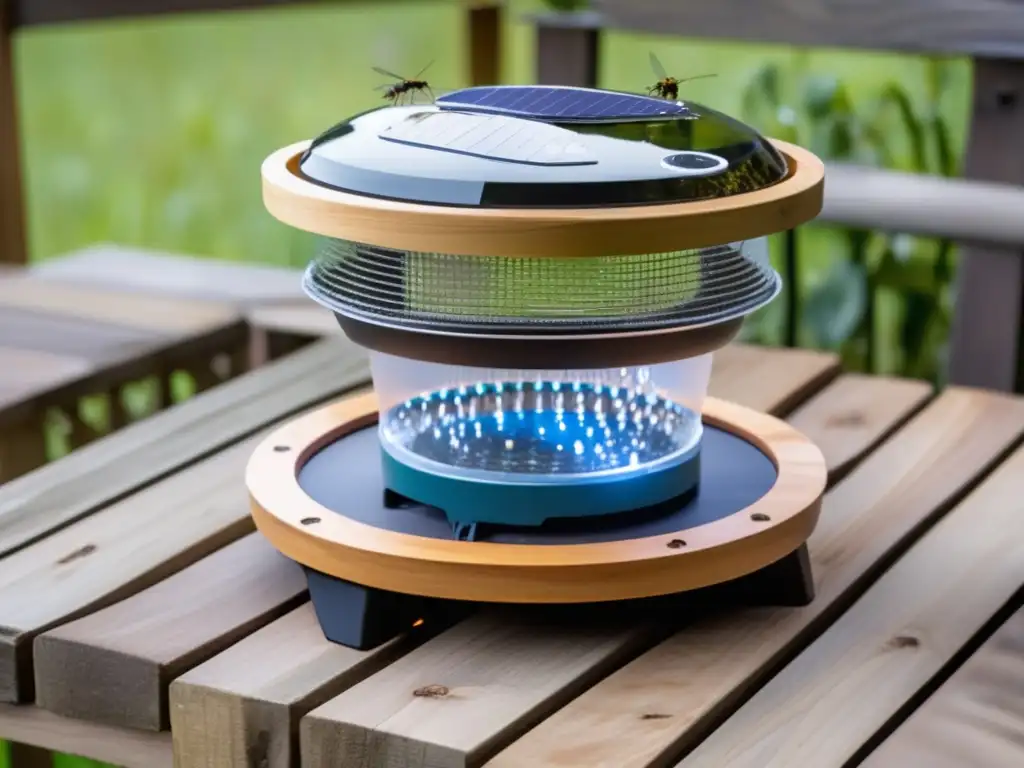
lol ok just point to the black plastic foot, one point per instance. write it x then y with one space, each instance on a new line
361 617
787 582
364 617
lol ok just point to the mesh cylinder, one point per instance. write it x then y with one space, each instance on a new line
534 294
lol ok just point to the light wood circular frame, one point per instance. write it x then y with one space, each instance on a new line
579 232
513 573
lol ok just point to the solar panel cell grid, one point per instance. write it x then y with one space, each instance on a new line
561 103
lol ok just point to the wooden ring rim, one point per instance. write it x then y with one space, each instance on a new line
582 232
493 572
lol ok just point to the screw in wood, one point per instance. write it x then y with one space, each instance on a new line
309 520
281 448
760 517
676 544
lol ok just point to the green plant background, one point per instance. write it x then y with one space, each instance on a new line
151 132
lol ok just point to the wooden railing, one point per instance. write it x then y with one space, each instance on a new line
985 348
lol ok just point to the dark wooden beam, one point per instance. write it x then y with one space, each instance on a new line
484 22
992 28
567 49
27 13
985 344
12 215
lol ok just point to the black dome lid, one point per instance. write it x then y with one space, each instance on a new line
543 147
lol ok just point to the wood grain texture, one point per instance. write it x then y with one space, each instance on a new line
449 701
161 316
114 666
241 707
116 552
975 718
559 232
134 270
664 701
768 379
481 713
13 247
829 701
773 526
63 492
985 340
972 27
119 746
856 413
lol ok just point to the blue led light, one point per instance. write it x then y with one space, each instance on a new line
524 428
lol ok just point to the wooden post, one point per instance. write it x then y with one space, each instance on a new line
12 217
484 22
985 344
29 756
567 48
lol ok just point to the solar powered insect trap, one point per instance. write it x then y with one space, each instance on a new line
541 277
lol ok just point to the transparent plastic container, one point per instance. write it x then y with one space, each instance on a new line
537 426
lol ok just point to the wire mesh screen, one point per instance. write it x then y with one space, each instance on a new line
691 287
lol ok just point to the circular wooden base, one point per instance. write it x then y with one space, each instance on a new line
341 535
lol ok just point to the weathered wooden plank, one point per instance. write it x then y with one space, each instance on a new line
114 666
976 717
158 315
244 709
971 27
59 494
116 552
174 275
873 660
498 675
856 413
119 746
662 703
240 708
989 311
770 379
451 698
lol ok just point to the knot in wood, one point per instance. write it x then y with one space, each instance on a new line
1006 98
904 641
848 419
88 549
431 692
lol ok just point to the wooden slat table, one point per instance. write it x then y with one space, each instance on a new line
157 606
142 272
60 342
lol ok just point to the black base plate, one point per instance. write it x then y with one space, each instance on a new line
363 617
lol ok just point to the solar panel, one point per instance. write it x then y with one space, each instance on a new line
495 137
556 103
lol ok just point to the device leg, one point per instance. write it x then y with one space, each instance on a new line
361 617
786 582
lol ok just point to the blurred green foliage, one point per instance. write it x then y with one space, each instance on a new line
906 279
